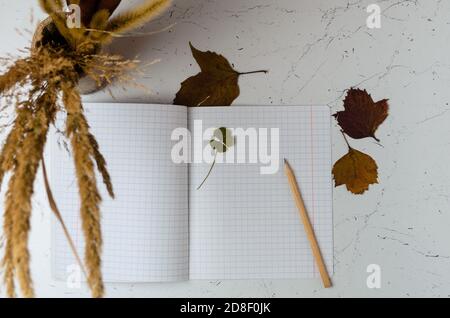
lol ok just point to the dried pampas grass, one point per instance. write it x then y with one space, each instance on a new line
77 130
39 87
134 18
51 75
96 20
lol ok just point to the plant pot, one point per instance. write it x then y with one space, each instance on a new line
46 32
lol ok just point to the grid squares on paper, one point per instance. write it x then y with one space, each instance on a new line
241 224
145 228
244 224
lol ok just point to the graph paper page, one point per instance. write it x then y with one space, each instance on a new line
145 228
244 224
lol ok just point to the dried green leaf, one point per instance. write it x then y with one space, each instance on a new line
222 139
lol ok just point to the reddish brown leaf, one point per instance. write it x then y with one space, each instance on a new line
362 115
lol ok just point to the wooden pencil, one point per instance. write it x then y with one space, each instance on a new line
307 225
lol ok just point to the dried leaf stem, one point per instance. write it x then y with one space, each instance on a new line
59 217
20 190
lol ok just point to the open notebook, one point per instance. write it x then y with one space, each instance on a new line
240 225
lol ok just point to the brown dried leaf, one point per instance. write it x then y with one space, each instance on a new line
362 115
356 170
215 85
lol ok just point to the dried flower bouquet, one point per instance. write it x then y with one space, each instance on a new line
38 87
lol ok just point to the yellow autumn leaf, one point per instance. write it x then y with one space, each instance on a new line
356 170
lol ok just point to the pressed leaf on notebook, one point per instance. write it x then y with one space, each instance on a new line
356 170
215 85
221 140
362 115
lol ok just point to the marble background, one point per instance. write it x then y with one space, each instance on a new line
314 50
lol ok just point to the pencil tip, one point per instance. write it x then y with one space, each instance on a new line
285 161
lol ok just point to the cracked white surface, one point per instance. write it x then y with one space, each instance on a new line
314 51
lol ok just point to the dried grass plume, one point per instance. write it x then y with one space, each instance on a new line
38 87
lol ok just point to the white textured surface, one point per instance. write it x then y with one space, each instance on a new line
314 50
